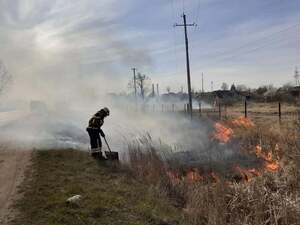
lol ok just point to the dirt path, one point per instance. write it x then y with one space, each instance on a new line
12 166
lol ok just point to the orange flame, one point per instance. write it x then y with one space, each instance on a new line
272 167
222 133
271 164
244 173
193 176
243 122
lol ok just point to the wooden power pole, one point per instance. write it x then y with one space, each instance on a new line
134 80
185 25
202 84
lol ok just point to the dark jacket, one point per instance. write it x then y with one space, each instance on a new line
96 122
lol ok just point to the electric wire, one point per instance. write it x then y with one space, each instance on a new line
256 45
197 14
263 42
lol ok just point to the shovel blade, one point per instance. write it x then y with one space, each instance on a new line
112 155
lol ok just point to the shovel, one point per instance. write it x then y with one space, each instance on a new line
109 154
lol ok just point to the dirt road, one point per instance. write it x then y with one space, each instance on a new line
12 166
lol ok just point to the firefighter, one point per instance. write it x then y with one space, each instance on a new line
94 130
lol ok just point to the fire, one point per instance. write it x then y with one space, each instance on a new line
193 176
271 164
243 122
222 133
248 174
272 167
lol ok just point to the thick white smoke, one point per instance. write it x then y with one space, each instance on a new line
63 67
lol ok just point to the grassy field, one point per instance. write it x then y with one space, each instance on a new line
109 194
143 192
267 198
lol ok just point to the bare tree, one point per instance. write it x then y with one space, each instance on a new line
224 86
143 84
5 79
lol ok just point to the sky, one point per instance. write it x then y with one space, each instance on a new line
61 46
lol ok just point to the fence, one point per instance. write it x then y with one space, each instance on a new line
274 111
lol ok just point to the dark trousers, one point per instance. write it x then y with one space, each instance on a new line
94 138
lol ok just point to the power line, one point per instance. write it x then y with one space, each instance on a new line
197 12
183 6
174 34
265 41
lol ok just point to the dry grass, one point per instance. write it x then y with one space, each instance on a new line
110 196
272 198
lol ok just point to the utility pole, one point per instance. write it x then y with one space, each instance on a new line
134 81
185 25
296 76
202 84
153 91
212 86
157 90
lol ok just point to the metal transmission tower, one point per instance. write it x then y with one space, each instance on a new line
297 76
185 25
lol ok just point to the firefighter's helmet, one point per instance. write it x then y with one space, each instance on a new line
106 111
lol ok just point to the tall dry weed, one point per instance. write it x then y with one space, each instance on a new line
272 198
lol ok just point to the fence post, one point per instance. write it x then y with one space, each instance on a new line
200 110
225 111
220 116
246 109
279 112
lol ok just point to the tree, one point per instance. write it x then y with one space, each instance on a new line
143 84
5 79
224 86
168 89
233 88
261 90
287 86
242 88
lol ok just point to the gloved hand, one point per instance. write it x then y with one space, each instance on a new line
102 133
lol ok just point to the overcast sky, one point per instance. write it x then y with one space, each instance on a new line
97 42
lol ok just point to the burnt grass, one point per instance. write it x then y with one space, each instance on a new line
109 194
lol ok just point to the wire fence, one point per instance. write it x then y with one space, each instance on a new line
269 111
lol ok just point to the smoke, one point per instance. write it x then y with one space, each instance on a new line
68 58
